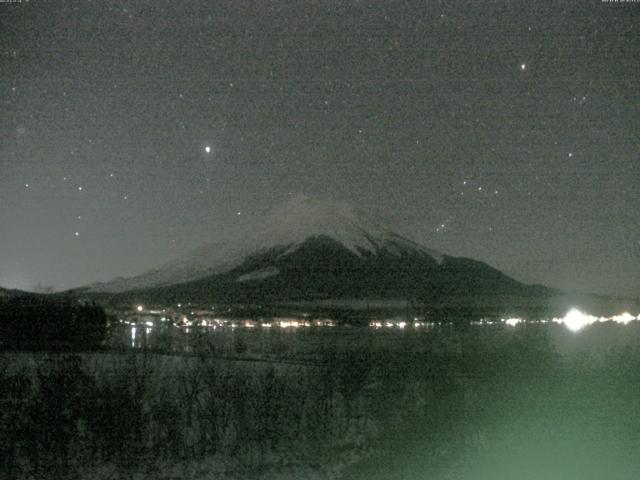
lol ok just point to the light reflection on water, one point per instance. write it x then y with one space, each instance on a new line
167 337
235 337
133 336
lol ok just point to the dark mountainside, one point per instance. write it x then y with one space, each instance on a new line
321 269
10 293
316 252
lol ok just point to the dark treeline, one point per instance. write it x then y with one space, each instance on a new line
39 322
64 415
367 406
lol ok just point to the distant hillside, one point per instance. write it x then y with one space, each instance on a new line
10 293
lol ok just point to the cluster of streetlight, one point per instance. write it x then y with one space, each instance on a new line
575 320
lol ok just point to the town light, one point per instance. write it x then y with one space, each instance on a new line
575 320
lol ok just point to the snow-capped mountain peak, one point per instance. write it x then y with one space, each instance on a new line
287 228
355 229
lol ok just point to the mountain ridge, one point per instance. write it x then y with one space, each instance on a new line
287 226
311 250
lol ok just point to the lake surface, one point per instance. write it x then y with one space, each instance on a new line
309 342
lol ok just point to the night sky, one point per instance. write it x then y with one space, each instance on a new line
508 132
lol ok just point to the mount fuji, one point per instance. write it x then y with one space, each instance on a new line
307 250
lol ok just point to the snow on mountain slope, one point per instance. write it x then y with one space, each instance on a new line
302 218
258 274
286 227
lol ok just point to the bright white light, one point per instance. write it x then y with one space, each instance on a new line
133 336
402 324
139 308
289 323
523 67
512 322
575 320
625 318
207 149
149 324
